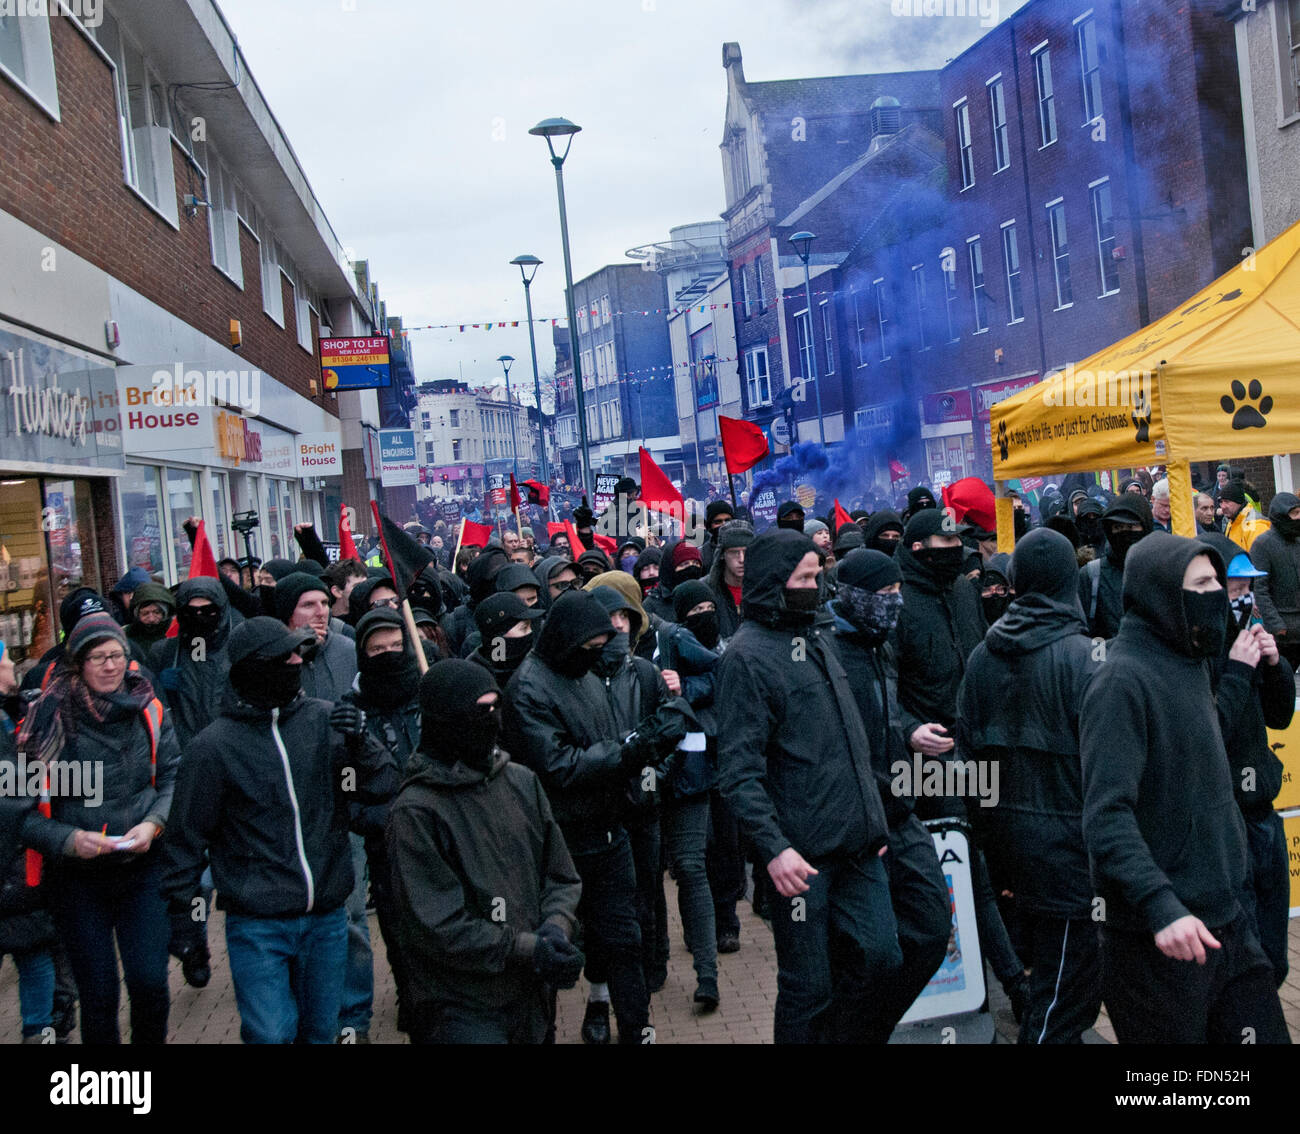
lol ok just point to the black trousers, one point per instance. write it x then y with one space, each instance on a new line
1230 999
1064 956
522 1021
725 864
1267 897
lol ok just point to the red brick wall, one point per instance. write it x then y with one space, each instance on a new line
65 180
356 494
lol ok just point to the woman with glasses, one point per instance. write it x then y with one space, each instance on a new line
110 758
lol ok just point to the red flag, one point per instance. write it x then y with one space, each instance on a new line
841 516
607 544
514 494
202 563
743 443
897 470
576 546
554 529
474 535
538 493
347 546
657 491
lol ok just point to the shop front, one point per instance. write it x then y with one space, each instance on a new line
947 432
60 450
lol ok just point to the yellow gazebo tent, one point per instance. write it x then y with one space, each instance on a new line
1217 377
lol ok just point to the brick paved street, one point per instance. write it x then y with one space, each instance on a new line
747 983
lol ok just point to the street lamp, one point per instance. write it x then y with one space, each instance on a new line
528 266
551 128
802 242
507 361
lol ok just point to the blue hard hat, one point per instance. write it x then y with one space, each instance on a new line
1242 568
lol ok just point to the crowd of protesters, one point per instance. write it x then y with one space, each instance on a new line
511 753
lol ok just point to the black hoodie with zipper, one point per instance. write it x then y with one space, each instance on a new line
1165 836
1018 707
794 761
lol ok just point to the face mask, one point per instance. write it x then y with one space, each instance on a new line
885 546
802 600
612 655
476 735
1090 527
388 679
1121 542
1021 518
943 563
266 683
1207 621
648 585
199 621
425 597
872 614
627 563
691 571
995 606
705 627
1286 527
1242 607
576 663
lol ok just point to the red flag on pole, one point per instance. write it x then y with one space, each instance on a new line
607 544
347 545
743 443
538 493
576 546
203 564
841 516
657 491
514 494
897 470
475 535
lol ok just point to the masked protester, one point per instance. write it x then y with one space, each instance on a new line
385 691
866 609
795 765
1255 692
1088 522
266 792
152 609
1125 522
646 570
790 514
481 578
559 720
918 498
883 531
995 588
192 668
628 553
718 513
592 563
1277 593
486 891
1031 830
506 634
1166 842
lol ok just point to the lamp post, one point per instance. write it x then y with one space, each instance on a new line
562 128
508 361
525 263
802 242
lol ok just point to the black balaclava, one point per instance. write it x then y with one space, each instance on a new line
206 622
861 574
648 556
1130 508
996 571
1193 624
389 679
942 564
453 725
1278 507
576 617
705 626
266 682
425 592
884 520
769 563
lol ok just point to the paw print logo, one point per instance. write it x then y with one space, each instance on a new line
1141 417
1004 443
1244 414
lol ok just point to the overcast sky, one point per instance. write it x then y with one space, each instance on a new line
411 119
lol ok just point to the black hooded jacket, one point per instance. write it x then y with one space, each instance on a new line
481 578
1278 594
878 523
1164 833
1018 707
193 673
794 758
1107 571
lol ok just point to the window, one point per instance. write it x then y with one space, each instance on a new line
948 268
758 284
272 295
803 333
27 56
305 302
142 517
1288 38
860 329
1089 68
223 220
998 116
975 249
616 417
1011 258
882 316
739 160
757 385
962 114
184 499
828 335
582 320
746 303
453 417
918 293
1046 99
143 121
604 309
1060 253
1103 219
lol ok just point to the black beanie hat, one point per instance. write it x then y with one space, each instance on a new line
381 618
688 595
482 573
715 509
77 605
279 568
448 693
1233 491
926 522
648 556
1044 563
917 495
868 569
291 588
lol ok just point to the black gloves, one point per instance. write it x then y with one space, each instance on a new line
189 945
556 960
656 737
347 719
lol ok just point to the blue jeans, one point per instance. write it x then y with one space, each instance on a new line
288 975
836 948
359 980
35 989
91 908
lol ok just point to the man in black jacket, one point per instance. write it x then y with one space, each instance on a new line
266 790
727 575
1276 552
1125 522
559 722
192 667
795 765
1180 960
866 609
1255 692
485 887
1018 713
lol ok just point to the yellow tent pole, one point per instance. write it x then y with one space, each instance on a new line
1006 513
1182 503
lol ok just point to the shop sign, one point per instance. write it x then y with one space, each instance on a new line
397 462
949 406
236 440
